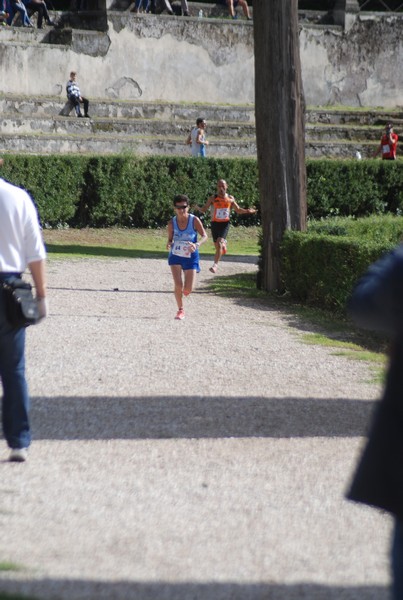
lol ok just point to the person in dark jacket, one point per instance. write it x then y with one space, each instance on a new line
74 96
377 304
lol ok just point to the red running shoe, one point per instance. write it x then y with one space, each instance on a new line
180 315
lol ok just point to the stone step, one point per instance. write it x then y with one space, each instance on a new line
87 143
331 116
25 35
109 108
34 125
10 123
342 133
106 126
108 144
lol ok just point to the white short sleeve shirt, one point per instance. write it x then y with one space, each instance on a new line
20 235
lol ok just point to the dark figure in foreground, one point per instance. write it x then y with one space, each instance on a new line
377 304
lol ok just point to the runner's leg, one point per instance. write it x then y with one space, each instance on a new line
176 271
190 276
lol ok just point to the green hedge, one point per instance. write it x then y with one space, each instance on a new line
354 187
321 266
128 191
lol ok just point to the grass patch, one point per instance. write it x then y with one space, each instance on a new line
135 243
9 566
238 285
330 330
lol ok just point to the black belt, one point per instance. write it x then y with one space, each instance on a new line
4 276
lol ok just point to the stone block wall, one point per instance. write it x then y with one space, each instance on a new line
206 60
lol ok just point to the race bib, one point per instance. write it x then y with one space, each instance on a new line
181 248
385 149
222 214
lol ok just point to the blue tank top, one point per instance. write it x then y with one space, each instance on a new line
189 234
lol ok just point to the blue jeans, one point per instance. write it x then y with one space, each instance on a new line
20 7
15 402
142 4
397 561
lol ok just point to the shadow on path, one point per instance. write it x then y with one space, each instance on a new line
86 418
124 590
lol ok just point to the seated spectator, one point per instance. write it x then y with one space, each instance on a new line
40 7
184 9
74 96
18 6
232 4
161 5
142 4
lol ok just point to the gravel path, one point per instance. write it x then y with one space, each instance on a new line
197 460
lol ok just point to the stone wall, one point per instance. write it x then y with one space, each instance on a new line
204 60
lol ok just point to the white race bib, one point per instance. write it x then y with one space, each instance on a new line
181 248
222 213
385 149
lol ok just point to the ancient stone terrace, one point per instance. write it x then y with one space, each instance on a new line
38 126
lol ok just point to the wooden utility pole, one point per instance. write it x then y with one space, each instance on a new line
280 129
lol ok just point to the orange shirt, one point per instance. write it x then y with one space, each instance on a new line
389 149
221 209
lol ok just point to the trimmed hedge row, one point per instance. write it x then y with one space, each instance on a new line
354 187
125 191
320 267
130 191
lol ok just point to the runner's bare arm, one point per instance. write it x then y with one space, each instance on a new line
204 208
170 233
242 211
202 232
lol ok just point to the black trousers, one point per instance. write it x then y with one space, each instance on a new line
76 102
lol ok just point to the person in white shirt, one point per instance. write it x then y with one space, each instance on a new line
21 246
197 139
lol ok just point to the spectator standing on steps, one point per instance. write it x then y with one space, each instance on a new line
221 205
388 145
197 138
21 245
74 96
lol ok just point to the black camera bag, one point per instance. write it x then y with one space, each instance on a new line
21 306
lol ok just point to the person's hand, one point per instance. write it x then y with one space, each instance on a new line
43 308
193 247
252 211
169 245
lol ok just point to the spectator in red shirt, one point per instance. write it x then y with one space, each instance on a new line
388 144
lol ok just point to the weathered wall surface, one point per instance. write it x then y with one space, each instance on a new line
207 61
359 68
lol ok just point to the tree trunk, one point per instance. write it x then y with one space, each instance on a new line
280 129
